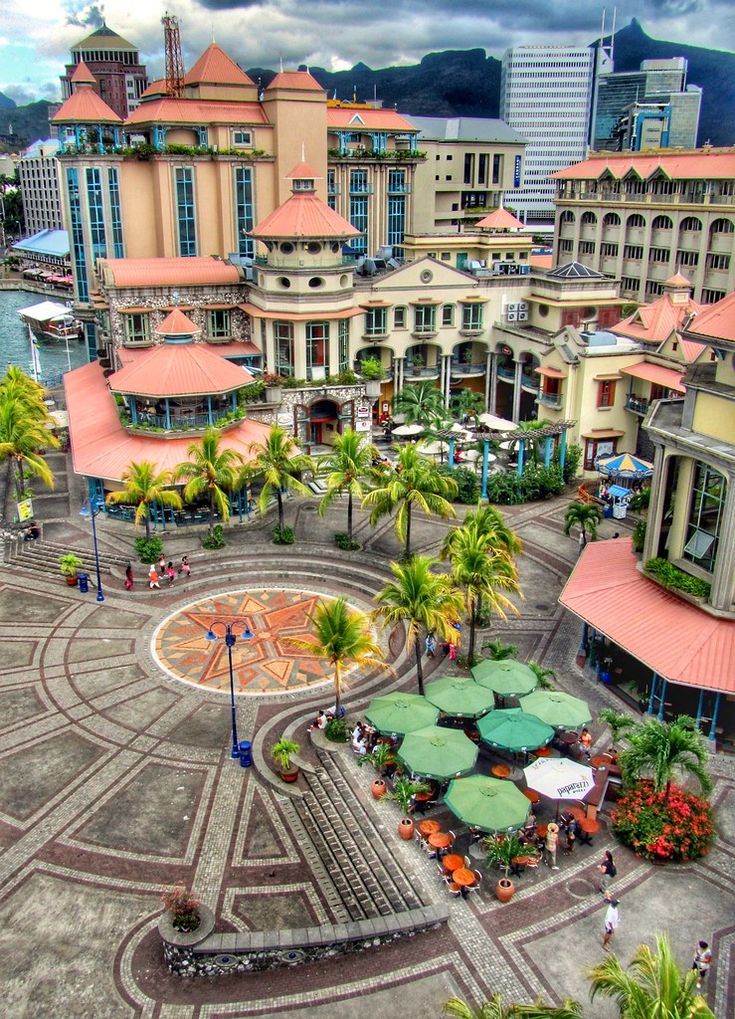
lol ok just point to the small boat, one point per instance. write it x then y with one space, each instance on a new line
51 321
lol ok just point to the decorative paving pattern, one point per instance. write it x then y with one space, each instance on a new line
266 664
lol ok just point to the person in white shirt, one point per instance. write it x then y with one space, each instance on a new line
612 920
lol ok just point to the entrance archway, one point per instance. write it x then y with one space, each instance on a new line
323 422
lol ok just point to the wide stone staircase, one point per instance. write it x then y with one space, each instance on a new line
42 558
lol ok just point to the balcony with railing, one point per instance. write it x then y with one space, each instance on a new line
507 374
462 369
636 404
417 370
551 400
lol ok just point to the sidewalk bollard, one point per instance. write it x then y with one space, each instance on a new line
246 753
83 579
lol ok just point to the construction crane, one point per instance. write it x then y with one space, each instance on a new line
174 61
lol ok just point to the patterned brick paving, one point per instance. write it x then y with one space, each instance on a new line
117 779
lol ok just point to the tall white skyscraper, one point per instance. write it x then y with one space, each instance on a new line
545 94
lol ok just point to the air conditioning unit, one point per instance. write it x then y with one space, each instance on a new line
523 316
523 305
512 307
512 316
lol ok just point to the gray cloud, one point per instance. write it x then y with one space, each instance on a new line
84 15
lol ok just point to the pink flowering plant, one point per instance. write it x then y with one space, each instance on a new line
666 825
183 907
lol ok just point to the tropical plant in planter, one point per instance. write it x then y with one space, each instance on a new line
617 721
282 752
404 789
70 564
380 757
183 907
501 850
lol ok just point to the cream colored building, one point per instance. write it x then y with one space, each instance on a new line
641 217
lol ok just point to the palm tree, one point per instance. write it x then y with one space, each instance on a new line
414 482
425 602
467 402
584 515
499 651
663 750
543 674
488 521
618 722
495 1009
21 437
343 637
16 384
210 471
143 487
420 402
279 461
346 466
485 573
651 986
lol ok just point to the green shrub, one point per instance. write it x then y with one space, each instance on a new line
672 577
468 489
254 393
342 540
215 538
346 378
149 549
572 461
639 536
336 730
283 535
371 368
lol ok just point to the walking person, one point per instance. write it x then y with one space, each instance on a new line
170 574
161 563
702 962
129 577
184 566
608 870
612 921
430 645
552 843
153 579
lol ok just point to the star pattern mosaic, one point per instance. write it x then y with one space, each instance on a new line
267 664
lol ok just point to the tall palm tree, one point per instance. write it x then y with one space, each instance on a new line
414 482
279 461
22 436
424 601
584 515
495 1009
652 986
618 722
143 487
662 751
486 574
490 521
467 402
15 383
343 637
211 471
346 467
420 402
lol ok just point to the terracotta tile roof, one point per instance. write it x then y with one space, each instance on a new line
658 374
673 638
101 448
542 261
302 171
304 215
654 322
238 348
215 67
501 219
179 369
85 107
176 323
82 74
677 280
156 88
685 165
301 80
387 120
161 272
690 349
196 111
716 320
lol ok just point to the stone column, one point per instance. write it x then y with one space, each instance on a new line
493 400
488 373
656 507
447 359
517 390
723 581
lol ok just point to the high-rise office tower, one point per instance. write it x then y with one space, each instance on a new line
545 94
119 78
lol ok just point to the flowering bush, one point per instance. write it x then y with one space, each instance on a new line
183 907
655 827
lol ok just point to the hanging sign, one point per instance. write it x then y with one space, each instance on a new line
25 510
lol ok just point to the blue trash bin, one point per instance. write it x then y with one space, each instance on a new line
246 753
83 583
607 512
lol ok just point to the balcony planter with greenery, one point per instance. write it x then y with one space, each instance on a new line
282 752
273 388
674 579
70 564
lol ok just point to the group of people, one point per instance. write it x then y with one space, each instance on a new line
448 648
162 568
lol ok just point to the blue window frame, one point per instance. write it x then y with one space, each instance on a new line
185 211
396 210
77 234
96 207
113 184
244 210
359 208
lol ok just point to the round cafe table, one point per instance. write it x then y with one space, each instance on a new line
541 830
531 795
542 752
429 827
463 877
500 770
452 862
440 840
568 738
601 761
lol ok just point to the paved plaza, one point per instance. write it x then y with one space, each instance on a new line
117 780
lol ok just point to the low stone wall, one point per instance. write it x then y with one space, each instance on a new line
253 951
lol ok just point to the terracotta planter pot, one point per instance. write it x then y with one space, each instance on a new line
504 890
71 581
405 829
289 776
378 788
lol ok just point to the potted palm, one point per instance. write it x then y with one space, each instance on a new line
417 363
70 564
403 792
501 850
380 757
282 752
371 370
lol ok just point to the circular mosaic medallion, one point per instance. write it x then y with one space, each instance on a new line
268 663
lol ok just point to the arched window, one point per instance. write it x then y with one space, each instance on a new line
691 223
567 216
662 223
611 219
722 226
636 220
589 219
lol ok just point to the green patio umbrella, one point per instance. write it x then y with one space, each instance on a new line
514 729
507 678
491 804
439 753
557 708
398 713
459 696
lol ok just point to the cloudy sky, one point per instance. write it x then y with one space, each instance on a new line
35 36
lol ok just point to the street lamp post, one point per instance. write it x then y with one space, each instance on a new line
91 508
230 638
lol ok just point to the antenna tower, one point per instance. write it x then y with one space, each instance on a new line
174 61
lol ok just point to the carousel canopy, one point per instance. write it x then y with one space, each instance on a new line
624 465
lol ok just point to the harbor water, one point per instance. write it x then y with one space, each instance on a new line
15 345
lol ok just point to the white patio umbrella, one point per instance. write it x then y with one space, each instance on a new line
559 778
434 448
496 424
408 430
457 429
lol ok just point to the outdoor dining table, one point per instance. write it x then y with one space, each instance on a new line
568 738
577 812
452 862
440 840
519 863
500 770
600 760
542 752
428 828
531 795
588 828
463 877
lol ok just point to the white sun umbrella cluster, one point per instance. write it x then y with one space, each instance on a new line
407 431
496 424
